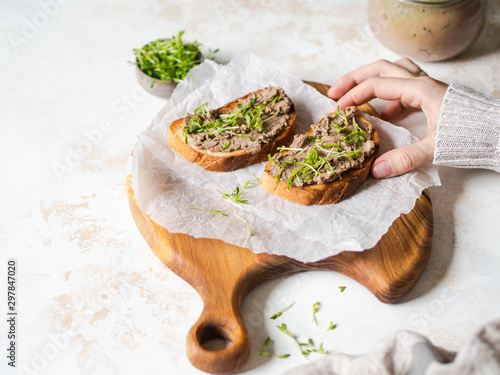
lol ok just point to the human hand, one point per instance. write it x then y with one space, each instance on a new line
405 85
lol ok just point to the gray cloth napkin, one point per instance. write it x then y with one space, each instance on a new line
409 353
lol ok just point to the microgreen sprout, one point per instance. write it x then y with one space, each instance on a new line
201 109
342 288
315 309
247 223
338 127
279 313
308 347
357 134
321 350
264 350
206 209
283 328
331 326
234 196
249 182
284 148
185 134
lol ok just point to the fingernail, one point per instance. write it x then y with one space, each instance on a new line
382 169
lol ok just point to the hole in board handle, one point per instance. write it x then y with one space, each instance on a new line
212 338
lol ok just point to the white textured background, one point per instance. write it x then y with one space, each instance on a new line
92 297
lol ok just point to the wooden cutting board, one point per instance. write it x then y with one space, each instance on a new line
224 274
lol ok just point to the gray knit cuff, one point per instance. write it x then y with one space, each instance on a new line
468 130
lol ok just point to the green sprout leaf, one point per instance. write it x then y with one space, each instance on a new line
265 352
234 196
315 309
331 326
201 109
249 182
185 134
320 350
342 114
283 328
342 288
279 313
308 347
271 158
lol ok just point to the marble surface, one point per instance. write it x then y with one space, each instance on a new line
92 297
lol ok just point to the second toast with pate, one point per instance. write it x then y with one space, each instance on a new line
327 164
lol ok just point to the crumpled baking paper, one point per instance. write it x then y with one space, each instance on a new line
166 185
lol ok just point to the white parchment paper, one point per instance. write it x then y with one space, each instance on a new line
165 184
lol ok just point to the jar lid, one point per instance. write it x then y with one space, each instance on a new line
431 2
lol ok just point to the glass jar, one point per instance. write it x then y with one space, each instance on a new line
427 30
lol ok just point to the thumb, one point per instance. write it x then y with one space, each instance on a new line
401 160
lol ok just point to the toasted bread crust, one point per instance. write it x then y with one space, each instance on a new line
227 161
332 192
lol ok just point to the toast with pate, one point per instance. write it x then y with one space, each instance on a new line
325 165
241 133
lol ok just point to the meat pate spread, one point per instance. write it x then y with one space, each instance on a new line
337 144
256 120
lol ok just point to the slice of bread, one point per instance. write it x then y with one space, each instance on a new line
324 193
222 161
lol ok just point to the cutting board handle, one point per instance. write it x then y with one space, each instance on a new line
218 322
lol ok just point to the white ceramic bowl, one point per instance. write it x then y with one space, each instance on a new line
162 89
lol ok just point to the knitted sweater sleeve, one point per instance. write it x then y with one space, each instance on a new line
468 131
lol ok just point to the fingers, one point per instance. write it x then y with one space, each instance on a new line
410 66
421 92
401 160
408 91
405 84
392 109
381 68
